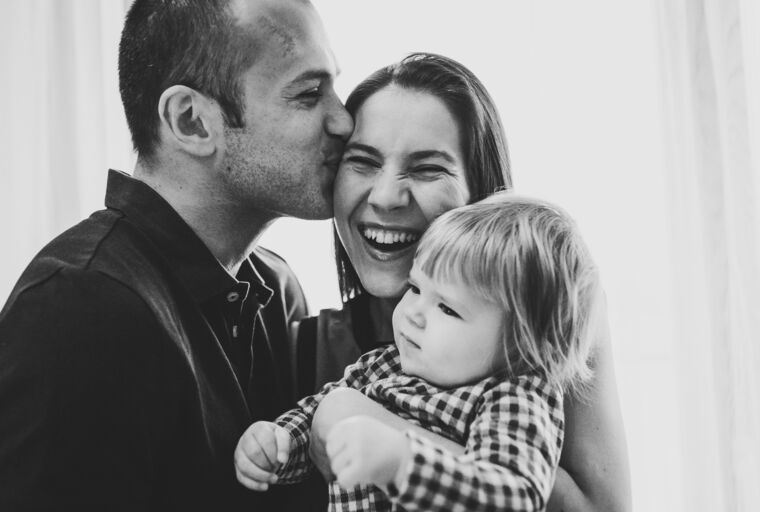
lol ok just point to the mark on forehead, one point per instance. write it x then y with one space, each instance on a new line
271 29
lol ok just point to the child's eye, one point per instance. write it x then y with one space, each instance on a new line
412 288
448 311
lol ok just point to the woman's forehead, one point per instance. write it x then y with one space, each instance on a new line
405 120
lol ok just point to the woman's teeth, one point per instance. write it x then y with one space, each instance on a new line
389 239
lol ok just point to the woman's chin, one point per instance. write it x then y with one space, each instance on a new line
385 289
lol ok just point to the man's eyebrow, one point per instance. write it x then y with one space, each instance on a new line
363 147
431 153
312 74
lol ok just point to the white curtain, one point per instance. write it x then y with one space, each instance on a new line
62 122
641 118
710 60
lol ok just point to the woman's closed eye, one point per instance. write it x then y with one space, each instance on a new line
361 163
429 172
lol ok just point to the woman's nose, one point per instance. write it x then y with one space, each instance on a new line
389 191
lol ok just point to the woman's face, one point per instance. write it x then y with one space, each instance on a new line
402 167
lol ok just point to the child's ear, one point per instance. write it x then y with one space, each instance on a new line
188 120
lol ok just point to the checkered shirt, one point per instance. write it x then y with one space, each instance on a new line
512 431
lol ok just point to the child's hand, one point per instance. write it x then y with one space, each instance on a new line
261 450
363 450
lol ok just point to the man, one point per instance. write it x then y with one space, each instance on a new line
139 345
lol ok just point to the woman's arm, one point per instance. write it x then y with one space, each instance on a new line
344 403
593 473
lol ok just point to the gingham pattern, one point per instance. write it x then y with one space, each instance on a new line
512 431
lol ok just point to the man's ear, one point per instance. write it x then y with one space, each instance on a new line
188 120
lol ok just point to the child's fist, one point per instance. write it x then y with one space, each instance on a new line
262 449
363 450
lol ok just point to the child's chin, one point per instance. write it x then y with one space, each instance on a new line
409 368
413 370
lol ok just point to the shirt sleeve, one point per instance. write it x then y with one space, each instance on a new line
510 461
78 356
369 367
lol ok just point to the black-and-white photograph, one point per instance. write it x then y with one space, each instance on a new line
399 255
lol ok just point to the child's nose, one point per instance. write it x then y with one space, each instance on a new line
416 315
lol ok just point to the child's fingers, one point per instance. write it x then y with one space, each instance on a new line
347 478
256 446
339 461
268 443
335 443
283 444
248 468
250 483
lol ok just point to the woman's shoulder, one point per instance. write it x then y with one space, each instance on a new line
330 325
325 344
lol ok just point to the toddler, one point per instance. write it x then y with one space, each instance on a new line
491 332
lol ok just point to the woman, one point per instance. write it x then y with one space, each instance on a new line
427 138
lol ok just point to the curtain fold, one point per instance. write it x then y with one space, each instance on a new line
714 222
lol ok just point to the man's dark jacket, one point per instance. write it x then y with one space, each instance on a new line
115 391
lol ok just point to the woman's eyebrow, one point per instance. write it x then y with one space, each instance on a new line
363 147
431 153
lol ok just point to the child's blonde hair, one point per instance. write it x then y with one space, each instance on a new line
526 256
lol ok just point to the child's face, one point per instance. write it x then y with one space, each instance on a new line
446 334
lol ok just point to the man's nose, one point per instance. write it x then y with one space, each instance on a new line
339 122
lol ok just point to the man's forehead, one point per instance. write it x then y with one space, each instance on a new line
284 29
276 21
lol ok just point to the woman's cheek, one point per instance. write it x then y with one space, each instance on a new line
345 192
440 198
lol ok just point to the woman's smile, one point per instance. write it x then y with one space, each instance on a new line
386 243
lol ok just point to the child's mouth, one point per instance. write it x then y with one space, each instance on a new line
405 338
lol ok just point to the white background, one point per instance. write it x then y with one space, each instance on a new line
579 87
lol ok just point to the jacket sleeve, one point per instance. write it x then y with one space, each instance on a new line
510 460
78 358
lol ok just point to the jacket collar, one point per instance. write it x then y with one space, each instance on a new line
186 254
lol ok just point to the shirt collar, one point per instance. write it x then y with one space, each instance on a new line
188 257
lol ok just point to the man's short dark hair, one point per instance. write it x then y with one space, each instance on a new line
195 43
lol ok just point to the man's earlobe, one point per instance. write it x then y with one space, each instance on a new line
186 120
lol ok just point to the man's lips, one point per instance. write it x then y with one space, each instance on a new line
332 165
333 155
